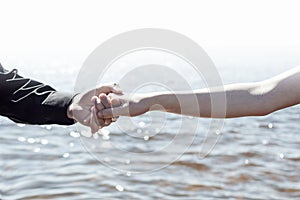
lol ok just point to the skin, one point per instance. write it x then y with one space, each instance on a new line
242 99
85 106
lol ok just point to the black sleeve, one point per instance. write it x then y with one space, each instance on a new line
28 101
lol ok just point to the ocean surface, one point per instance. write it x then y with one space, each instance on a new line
254 157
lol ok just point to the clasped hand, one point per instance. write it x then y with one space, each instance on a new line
108 107
100 107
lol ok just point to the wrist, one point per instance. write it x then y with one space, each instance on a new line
153 102
70 111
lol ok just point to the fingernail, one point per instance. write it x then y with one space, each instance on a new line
116 87
94 99
114 119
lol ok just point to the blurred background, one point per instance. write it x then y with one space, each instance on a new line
255 158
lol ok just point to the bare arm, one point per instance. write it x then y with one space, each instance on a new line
242 99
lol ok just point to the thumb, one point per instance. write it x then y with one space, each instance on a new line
112 88
113 112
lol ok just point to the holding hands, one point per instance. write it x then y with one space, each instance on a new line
86 105
108 107
100 107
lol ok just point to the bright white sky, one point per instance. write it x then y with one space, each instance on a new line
35 29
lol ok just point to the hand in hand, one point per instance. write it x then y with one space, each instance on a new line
83 108
123 106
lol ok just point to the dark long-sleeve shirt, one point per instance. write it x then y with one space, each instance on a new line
24 100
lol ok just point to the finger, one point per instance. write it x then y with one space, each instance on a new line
114 119
107 122
94 125
86 122
95 99
109 113
115 102
106 125
113 88
99 106
95 117
116 89
97 103
101 122
105 100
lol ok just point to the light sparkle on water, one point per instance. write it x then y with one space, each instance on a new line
74 134
31 140
119 188
21 139
66 155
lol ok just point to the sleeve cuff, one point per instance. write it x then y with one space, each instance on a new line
59 103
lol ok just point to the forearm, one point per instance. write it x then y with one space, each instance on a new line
25 100
241 100
235 100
